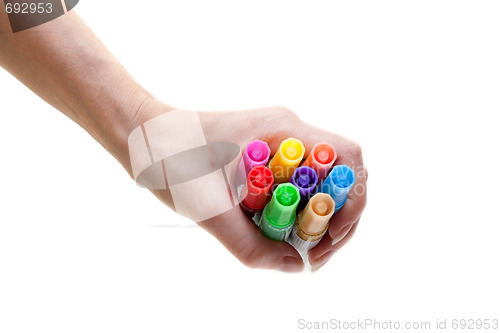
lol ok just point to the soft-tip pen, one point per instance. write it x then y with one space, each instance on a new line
256 192
279 216
288 157
306 179
312 223
256 153
338 183
321 159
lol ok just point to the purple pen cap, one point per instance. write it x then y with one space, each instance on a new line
306 179
256 153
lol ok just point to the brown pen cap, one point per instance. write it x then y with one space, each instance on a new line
313 220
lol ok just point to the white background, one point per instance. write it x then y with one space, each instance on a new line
416 83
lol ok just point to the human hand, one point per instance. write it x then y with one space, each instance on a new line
232 227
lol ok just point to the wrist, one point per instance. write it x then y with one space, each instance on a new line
112 119
118 117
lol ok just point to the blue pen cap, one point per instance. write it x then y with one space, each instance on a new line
338 183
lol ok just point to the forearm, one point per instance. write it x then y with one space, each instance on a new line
65 64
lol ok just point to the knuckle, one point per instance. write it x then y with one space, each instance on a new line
356 149
249 258
357 201
279 120
285 112
249 262
362 203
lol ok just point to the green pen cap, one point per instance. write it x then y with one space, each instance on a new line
279 214
283 204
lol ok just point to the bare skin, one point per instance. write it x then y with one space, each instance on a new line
65 64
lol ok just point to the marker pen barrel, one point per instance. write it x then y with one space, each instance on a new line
338 183
312 223
279 216
286 160
321 159
256 192
256 153
305 179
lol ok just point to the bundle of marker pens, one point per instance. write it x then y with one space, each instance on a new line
276 190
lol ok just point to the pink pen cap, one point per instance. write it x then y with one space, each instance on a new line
256 153
321 159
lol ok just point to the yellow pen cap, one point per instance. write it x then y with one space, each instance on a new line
286 159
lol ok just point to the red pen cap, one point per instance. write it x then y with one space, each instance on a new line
259 182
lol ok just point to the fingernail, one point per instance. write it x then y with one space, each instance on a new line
336 239
321 261
315 268
341 234
290 264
